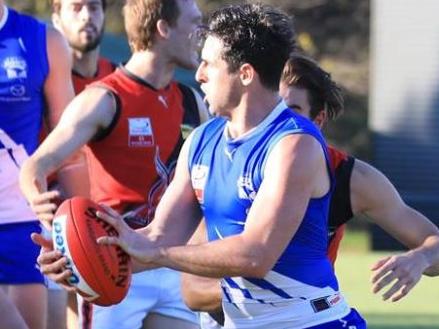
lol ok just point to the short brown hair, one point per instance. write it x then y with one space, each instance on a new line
254 33
323 92
141 17
56 5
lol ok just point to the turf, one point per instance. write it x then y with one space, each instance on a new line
418 310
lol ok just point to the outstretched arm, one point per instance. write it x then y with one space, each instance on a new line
89 112
374 195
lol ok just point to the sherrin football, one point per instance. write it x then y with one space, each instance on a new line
101 273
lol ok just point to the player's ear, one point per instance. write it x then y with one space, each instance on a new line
56 21
321 118
246 74
162 27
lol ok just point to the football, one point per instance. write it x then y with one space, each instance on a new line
101 273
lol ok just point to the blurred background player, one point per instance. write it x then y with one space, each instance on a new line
360 189
82 23
132 122
35 85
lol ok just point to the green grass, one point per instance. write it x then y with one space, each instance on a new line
418 310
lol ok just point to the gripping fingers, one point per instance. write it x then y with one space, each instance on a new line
41 241
112 220
51 261
110 210
107 240
45 197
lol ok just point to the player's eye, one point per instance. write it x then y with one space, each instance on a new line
76 7
94 7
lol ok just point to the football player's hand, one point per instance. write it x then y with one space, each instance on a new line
52 263
399 273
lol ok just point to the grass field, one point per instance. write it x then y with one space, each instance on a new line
419 310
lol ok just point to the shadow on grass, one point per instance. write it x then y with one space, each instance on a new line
398 321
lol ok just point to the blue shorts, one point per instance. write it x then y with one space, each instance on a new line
18 254
351 321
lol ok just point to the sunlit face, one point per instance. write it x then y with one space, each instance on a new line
183 40
296 98
222 88
81 22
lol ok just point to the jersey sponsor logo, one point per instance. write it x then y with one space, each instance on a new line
18 90
140 132
15 67
14 70
199 175
332 300
245 186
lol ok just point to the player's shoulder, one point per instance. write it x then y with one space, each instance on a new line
57 44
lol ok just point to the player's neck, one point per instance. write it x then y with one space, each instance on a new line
86 64
151 67
252 110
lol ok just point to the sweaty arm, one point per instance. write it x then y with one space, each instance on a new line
295 172
83 118
374 195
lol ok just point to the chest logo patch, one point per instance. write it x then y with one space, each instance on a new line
15 67
199 176
245 187
140 132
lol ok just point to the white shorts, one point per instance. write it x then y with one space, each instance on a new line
153 291
207 322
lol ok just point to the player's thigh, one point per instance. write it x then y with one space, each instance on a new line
57 309
31 302
159 321
9 315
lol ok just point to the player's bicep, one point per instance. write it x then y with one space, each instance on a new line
290 181
58 87
373 194
384 206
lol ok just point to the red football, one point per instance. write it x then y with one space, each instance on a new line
101 273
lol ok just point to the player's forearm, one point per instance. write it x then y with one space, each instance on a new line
231 256
33 174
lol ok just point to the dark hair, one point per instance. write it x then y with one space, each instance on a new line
257 34
323 92
141 17
56 5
